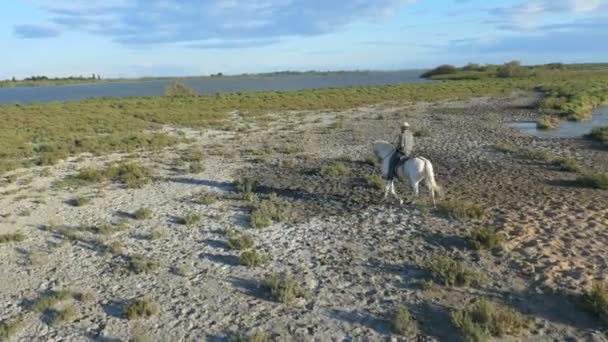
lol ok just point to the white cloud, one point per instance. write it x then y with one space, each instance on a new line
531 14
136 22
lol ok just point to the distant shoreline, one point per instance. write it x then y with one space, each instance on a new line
72 81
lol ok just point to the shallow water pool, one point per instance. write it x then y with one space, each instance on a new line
567 129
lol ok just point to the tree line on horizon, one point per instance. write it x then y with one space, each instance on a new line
38 78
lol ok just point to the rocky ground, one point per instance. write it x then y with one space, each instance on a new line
356 256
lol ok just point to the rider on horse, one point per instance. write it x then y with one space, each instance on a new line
403 149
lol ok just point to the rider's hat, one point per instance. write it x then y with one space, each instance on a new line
405 125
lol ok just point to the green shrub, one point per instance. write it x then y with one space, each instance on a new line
440 70
506 147
256 337
484 319
196 167
403 324
247 185
451 272
132 175
141 308
547 122
283 287
596 301
239 241
567 164
63 315
89 175
596 180
178 89
207 198
335 169
251 258
9 328
600 134
139 264
80 201
374 181
485 238
12 237
49 301
190 219
512 69
142 213
269 211
460 209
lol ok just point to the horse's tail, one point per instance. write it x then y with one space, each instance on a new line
429 175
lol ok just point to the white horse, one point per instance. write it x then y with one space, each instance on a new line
416 169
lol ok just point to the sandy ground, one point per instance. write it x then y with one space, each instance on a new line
357 256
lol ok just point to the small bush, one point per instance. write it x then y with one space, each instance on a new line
192 156
247 185
256 337
450 272
63 315
90 175
512 69
485 319
403 324
374 181
49 301
440 70
80 201
596 301
567 164
67 233
547 122
251 258
506 147
283 288
12 237
9 328
178 89
207 198
109 229
155 235
597 180
196 167
132 175
139 264
269 211
190 219
51 157
85 296
116 247
531 153
335 169
239 241
462 210
182 271
141 308
142 213
600 134
485 238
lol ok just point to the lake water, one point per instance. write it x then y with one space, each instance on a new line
567 129
207 85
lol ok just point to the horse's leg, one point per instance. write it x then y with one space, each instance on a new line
416 188
395 194
433 196
387 188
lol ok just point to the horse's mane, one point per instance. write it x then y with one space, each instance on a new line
382 149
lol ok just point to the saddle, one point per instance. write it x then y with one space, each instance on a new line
396 164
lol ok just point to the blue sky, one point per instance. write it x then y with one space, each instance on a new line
130 38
